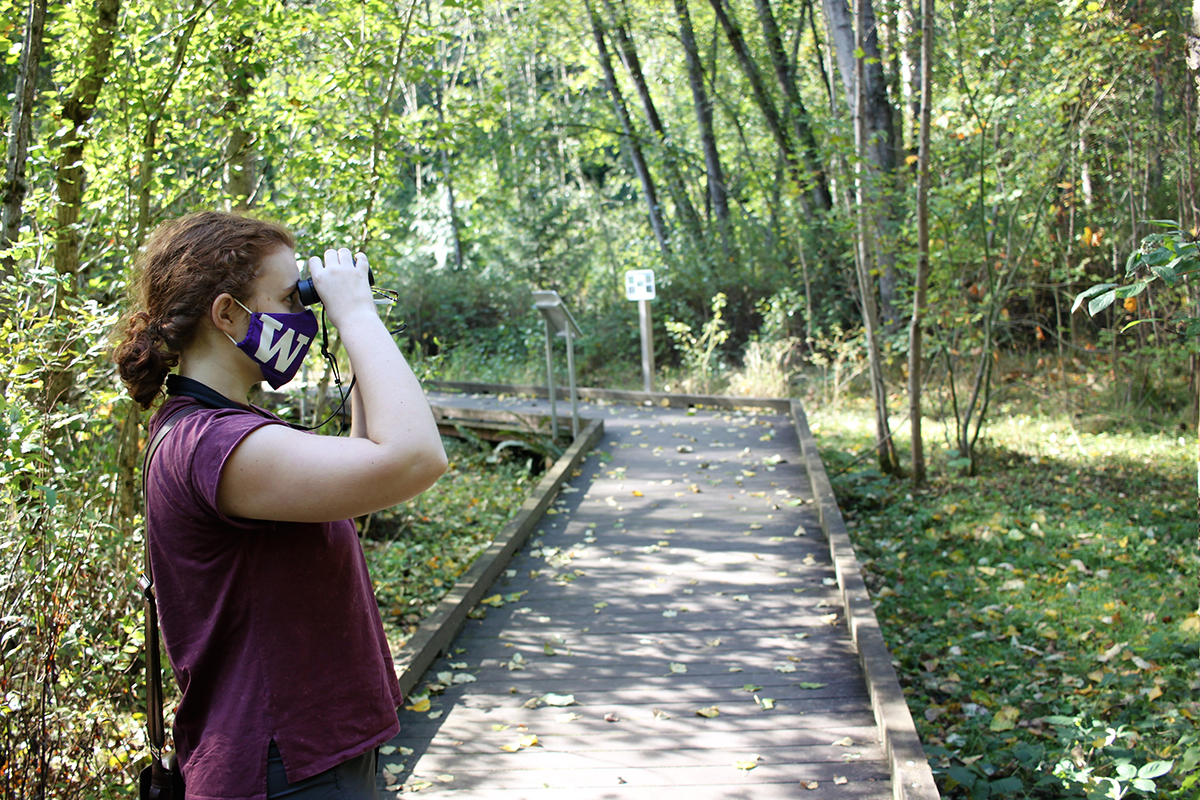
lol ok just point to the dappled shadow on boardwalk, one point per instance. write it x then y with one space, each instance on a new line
683 571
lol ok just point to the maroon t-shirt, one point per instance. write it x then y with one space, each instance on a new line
271 627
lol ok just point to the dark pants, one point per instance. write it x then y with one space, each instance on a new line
350 780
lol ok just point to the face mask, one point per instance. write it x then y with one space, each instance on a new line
277 343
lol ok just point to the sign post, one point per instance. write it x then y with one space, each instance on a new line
639 286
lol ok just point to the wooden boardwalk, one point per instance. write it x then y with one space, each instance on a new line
673 629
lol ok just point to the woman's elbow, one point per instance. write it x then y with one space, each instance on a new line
424 468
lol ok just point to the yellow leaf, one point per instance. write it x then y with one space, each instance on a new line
529 741
809 784
1154 693
636 493
1191 624
708 712
419 705
1097 675
747 763
510 748
495 601
910 160
1005 719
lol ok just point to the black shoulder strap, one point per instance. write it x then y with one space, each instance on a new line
154 701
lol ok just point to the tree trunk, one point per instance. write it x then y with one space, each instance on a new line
794 110
77 111
770 114
922 279
635 148
878 119
888 463
20 132
675 182
717 191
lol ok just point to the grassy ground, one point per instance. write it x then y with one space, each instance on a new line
1042 616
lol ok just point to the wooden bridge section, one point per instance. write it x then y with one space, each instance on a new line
669 620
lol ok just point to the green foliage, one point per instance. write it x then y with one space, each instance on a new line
1041 615
1165 257
700 352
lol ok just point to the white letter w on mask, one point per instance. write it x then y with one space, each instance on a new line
278 343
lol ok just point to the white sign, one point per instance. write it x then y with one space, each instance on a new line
639 284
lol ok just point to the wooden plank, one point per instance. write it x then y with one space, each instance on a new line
787 790
912 778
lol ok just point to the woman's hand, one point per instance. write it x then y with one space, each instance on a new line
342 282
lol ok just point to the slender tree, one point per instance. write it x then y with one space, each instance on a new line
807 174
631 138
633 65
718 193
20 131
922 279
794 110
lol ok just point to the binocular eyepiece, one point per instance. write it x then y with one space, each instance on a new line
308 293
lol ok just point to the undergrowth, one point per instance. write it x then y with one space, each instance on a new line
1041 616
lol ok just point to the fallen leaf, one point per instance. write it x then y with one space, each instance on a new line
464 677
747 763
558 700
547 648
713 642
845 741
785 668
406 751
386 750
417 786
809 685
708 712
532 702
809 784
660 714
829 619
435 714
742 598
569 716
678 668
419 705
529 740
611 717
840 780
670 612
498 727
458 665
750 687
495 601
1005 719
446 778
636 493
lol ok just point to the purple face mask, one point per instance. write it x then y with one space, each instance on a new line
278 343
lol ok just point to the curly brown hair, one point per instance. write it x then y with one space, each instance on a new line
187 263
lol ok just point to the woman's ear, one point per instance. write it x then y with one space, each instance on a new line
228 317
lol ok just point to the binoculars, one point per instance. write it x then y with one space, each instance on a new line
308 292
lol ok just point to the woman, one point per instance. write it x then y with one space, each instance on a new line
266 607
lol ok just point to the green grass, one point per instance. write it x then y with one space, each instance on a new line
1053 592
